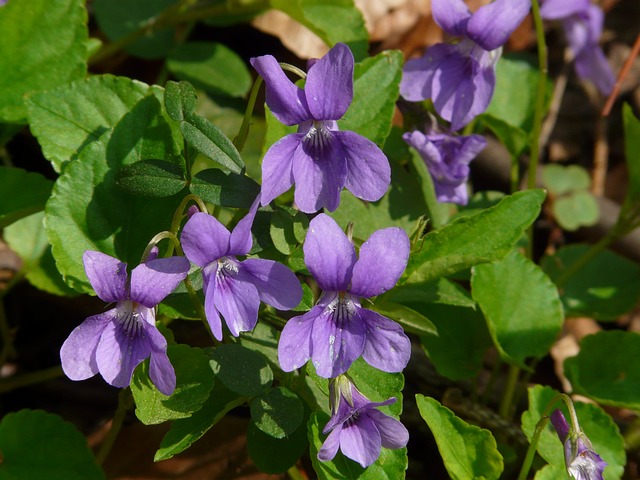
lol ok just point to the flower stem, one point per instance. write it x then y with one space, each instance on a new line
175 243
533 446
509 391
538 115
24 380
243 133
125 402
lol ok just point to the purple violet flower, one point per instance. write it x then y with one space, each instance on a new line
116 341
582 22
582 462
460 78
234 288
357 428
320 159
447 157
337 330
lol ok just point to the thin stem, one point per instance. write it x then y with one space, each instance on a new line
509 391
540 97
243 133
175 243
287 67
24 380
125 402
533 446
199 308
626 68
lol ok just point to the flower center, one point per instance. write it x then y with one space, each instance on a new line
318 135
226 268
129 316
341 309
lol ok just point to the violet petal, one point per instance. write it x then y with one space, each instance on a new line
108 275
368 170
558 9
161 371
392 432
238 303
285 100
277 167
383 258
210 309
330 446
387 347
329 85
276 284
360 441
204 239
492 24
419 74
152 281
240 242
294 347
328 254
78 352
451 15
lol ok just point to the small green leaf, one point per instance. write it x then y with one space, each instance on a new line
410 319
575 210
27 238
276 455
194 381
151 178
118 18
515 139
43 46
180 100
629 217
596 423
560 179
277 412
468 451
458 350
481 238
606 368
605 288
375 88
23 193
526 317
211 67
184 432
320 17
225 189
287 230
241 370
439 291
35 444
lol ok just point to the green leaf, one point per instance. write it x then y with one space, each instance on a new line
151 178
629 216
184 432
513 100
276 455
578 209
605 288
67 119
87 211
43 46
560 179
526 317
468 451
118 18
458 350
194 381
595 422
28 239
210 66
225 189
320 17
199 132
376 86
35 444
278 412
439 291
606 368
410 319
287 229
241 370
481 238
515 139
23 193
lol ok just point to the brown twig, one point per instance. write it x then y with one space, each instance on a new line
621 76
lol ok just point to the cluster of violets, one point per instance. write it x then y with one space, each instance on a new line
319 161
459 78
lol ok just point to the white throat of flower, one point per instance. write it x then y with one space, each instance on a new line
318 136
128 314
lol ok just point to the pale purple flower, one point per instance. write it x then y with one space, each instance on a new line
460 78
582 23
582 462
320 159
447 157
234 288
337 330
113 343
357 428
